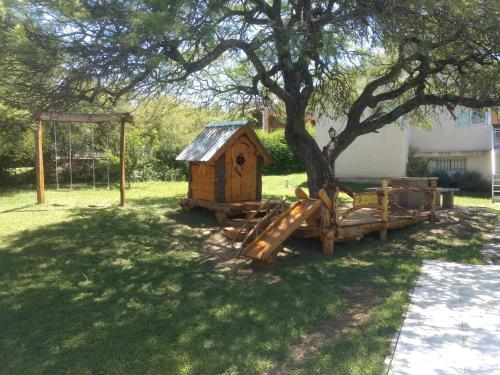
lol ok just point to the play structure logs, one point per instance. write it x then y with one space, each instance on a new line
225 178
326 219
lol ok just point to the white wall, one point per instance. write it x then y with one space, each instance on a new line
385 154
373 155
447 135
481 164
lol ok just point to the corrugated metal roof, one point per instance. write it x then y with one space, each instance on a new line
210 140
227 123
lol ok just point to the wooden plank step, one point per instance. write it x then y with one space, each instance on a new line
263 223
264 246
234 233
238 222
255 213
248 206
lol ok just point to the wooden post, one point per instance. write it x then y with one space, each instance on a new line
432 216
334 205
327 231
325 198
438 197
385 209
122 162
40 177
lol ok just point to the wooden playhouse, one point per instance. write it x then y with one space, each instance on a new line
225 163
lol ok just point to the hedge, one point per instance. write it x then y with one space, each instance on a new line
283 159
471 181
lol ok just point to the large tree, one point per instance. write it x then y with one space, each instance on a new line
371 61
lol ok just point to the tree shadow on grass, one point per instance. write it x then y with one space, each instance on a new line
19 209
199 218
126 291
165 201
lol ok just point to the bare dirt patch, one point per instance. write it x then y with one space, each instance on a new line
217 248
362 299
462 222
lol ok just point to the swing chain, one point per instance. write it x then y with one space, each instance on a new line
93 155
70 158
56 157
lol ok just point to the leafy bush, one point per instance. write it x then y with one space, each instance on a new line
466 181
148 158
283 159
416 167
444 179
17 176
161 129
471 181
167 168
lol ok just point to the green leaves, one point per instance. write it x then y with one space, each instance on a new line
344 58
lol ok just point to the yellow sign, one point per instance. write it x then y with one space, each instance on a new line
369 199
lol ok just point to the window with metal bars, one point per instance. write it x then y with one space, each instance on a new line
449 165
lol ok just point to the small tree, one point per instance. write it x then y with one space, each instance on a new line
416 166
370 61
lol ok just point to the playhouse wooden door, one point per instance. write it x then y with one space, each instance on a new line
243 165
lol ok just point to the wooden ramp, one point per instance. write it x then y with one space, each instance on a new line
267 244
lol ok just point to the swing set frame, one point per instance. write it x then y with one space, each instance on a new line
65 117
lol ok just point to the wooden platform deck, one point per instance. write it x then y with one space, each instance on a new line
263 226
365 221
225 210
326 219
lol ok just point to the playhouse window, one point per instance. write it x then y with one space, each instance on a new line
240 160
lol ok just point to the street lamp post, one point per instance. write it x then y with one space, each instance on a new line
333 133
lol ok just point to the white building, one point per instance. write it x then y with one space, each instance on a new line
451 145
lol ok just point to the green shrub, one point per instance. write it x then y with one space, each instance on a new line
167 168
466 181
150 158
161 130
444 179
471 181
416 167
283 159
17 176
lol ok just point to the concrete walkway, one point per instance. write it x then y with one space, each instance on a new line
453 322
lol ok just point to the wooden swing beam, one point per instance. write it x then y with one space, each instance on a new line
122 118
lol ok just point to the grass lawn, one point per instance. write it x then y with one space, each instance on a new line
88 287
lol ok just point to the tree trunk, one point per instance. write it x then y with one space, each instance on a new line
307 150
